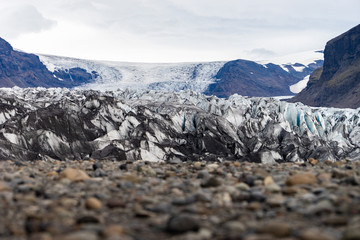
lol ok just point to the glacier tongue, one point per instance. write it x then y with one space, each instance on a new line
166 126
122 75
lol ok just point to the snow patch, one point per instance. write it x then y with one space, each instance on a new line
299 86
304 58
299 69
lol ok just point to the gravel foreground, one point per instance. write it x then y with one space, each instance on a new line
73 200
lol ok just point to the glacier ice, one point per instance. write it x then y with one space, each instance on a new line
160 126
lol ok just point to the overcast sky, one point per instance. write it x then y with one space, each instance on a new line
174 30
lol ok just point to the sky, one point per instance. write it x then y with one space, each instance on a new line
174 30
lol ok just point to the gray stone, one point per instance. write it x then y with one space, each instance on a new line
182 223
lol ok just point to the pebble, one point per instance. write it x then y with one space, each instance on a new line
113 230
183 201
148 171
352 233
123 166
204 174
237 164
324 177
87 219
99 173
276 200
274 188
211 182
335 220
313 161
80 235
97 165
235 226
242 186
197 165
52 174
277 229
328 162
212 167
182 223
4 187
115 203
74 175
301 178
139 211
268 181
254 206
337 173
315 234
322 207
93 203
257 196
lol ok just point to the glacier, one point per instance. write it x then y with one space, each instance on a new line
197 76
122 75
155 125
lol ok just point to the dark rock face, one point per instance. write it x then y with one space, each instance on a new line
26 70
173 127
249 78
337 84
77 76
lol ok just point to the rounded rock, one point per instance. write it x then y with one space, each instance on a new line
277 229
268 180
182 223
113 230
301 178
74 175
315 234
93 203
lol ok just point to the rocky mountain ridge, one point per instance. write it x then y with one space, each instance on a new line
249 78
337 84
26 70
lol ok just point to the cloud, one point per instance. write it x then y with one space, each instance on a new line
179 30
261 53
15 21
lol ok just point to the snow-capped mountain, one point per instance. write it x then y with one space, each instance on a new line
277 77
266 78
159 126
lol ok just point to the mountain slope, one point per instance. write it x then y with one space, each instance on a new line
337 84
26 70
249 78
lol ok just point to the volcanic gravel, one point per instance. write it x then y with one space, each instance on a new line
90 199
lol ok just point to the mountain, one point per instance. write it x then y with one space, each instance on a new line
249 78
337 83
26 70
173 127
222 79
